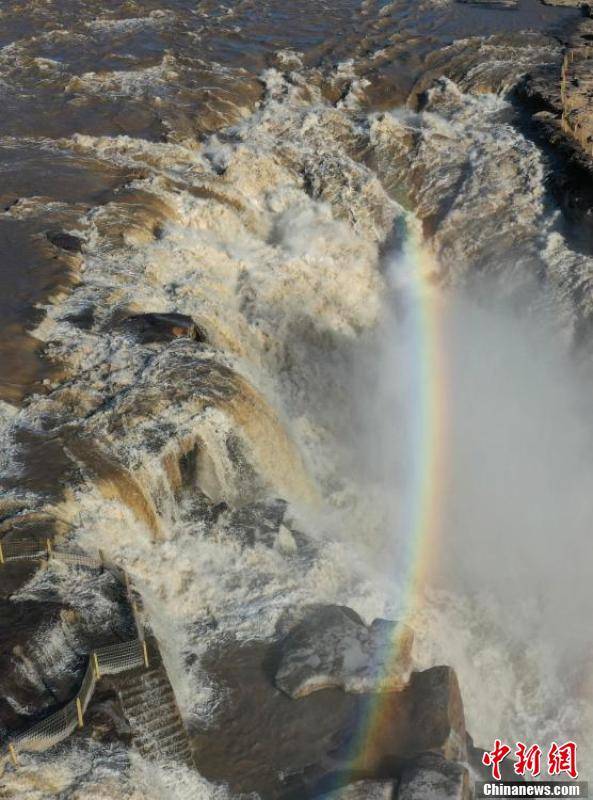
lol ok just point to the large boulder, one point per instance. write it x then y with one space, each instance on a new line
432 776
333 648
436 716
426 717
263 741
260 741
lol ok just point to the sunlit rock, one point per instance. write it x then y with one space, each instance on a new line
436 717
304 747
332 647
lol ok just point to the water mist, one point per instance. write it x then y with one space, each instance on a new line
505 595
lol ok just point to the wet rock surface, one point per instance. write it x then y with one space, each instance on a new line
431 776
105 717
566 3
27 688
256 523
333 648
163 327
261 738
65 241
437 721
510 4
42 192
46 636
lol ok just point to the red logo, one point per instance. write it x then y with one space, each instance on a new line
495 758
561 758
528 759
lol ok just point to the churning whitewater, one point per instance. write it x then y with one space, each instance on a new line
384 405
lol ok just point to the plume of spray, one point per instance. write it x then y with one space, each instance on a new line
480 436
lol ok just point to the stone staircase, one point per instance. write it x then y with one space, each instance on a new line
149 704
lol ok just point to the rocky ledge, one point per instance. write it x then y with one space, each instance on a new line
290 714
567 3
511 4
290 711
332 647
428 777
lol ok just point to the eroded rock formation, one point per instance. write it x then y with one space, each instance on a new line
256 724
333 648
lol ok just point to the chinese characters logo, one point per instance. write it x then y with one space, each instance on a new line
560 759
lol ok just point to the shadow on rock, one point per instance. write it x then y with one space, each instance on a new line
262 740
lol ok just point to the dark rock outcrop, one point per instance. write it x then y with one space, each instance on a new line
566 3
65 241
45 641
510 4
260 740
256 522
332 647
436 717
163 327
29 687
263 741
84 318
483 773
105 716
426 717
556 93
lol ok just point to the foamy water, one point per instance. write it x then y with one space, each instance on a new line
271 234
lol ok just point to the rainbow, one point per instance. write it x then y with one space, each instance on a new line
414 271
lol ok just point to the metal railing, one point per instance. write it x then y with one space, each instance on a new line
52 730
24 550
45 549
109 660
